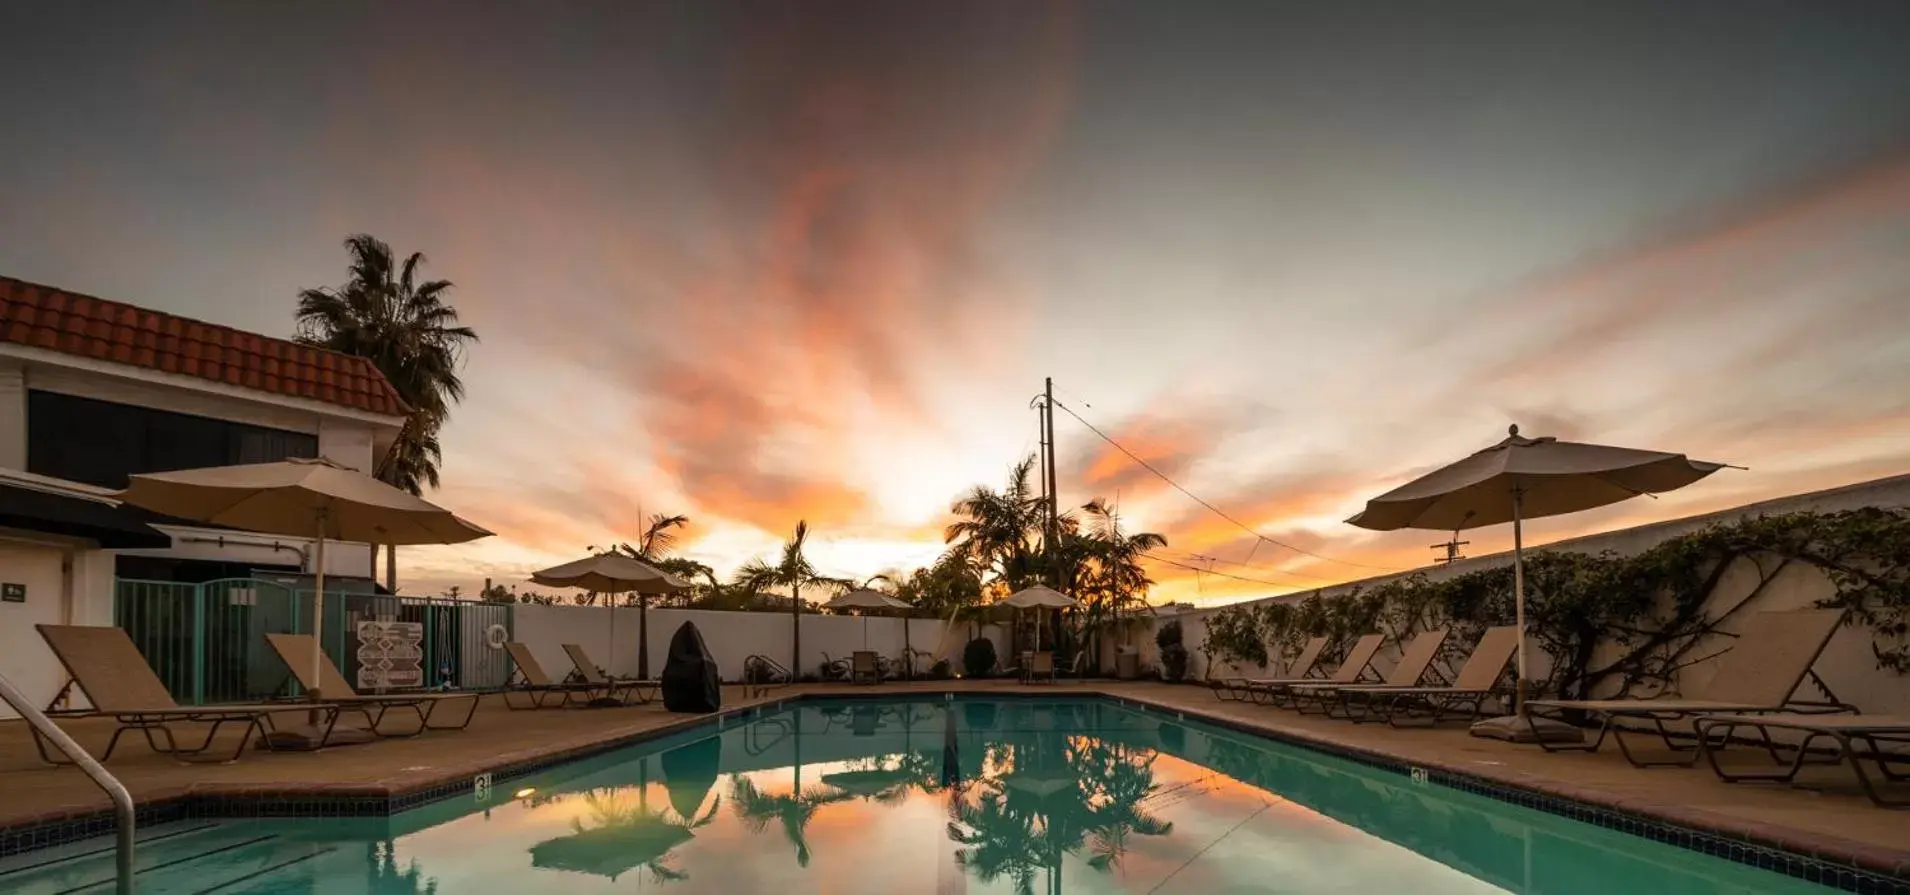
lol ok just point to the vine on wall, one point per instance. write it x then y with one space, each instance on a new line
1653 605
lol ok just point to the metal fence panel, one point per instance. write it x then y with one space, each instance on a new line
207 641
159 616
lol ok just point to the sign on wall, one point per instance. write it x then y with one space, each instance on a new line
13 593
390 655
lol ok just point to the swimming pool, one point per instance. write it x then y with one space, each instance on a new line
940 795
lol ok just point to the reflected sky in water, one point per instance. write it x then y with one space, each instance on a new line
970 796
1032 797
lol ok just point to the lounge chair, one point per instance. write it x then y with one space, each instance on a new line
1356 667
615 689
121 685
1872 731
1758 675
528 678
863 667
1238 689
1478 680
296 651
1414 662
1040 667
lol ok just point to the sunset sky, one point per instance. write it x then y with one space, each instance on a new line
761 262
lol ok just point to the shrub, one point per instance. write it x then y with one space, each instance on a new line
940 671
978 657
1233 636
1173 654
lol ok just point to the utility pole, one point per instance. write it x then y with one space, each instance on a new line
1048 475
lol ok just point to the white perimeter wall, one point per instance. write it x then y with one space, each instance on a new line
1847 666
731 637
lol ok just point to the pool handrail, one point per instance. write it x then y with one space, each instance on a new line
123 811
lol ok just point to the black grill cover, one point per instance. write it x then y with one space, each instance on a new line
690 682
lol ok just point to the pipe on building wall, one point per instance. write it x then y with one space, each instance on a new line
304 556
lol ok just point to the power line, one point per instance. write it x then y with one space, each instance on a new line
1276 570
1181 565
1214 509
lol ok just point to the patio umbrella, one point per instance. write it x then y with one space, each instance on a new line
611 573
868 599
1525 478
314 498
1040 596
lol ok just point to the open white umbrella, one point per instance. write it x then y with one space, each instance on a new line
1039 596
610 573
1526 478
865 598
300 498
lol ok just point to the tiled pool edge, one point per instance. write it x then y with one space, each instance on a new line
1829 861
346 800
1841 864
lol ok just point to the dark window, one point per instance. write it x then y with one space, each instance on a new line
101 443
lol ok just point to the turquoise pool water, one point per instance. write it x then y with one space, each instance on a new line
965 796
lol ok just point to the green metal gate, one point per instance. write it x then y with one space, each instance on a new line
207 641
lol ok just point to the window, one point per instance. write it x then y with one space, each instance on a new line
101 443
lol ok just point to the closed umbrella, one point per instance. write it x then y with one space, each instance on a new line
611 573
298 497
1526 478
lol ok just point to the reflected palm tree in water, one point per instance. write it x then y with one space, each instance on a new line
1126 780
888 779
793 812
1056 796
624 834
385 877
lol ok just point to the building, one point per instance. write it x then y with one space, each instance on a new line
92 391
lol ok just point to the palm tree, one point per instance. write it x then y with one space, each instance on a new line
653 546
943 587
404 327
998 531
1107 575
794 571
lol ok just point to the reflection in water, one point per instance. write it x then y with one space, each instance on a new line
623 833
385 876
1052 796
1010 796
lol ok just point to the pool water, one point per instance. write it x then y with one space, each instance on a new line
924 795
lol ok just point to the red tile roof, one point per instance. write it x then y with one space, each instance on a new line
81 325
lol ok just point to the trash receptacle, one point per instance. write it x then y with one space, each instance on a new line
1127 663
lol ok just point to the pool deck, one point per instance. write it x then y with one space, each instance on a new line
1830 819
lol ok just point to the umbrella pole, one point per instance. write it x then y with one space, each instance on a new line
1518 595
643 637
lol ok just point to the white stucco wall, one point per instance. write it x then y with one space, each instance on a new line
1847 664
55 595
731 636
13 414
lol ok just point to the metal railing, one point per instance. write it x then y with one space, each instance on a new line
760 673
122 800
